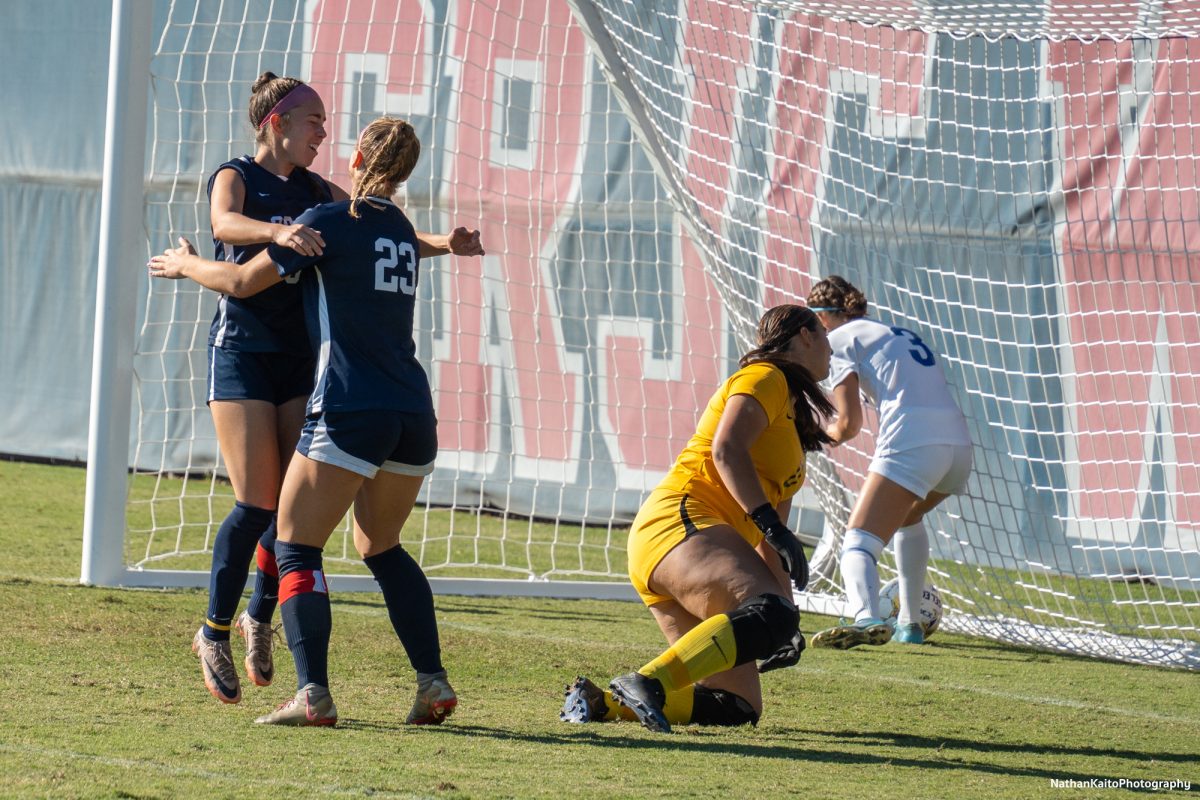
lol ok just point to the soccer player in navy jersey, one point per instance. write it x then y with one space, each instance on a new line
369 437
260 369
261 365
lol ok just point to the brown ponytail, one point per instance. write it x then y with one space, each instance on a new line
268 90
775 330
390 149
838 293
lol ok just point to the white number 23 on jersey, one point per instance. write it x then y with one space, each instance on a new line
397 269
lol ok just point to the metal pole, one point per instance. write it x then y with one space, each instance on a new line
121 250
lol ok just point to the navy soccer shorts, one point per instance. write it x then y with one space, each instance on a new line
368 441
272 377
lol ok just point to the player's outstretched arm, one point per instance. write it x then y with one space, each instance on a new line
458 242
236 280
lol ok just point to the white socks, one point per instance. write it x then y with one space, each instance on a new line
860 573
912 558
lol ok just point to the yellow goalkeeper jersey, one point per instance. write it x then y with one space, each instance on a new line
777 454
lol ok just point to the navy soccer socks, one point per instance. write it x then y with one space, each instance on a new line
409 603
232 550
304 607
266 582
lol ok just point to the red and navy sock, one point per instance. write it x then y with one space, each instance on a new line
266 582
232 550
409 603
304 607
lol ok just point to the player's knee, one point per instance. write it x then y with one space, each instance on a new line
290 558
252 516
301 571
240 531
719 707
762 625
858 539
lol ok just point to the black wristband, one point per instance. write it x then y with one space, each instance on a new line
765 517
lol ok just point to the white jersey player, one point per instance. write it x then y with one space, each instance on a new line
922 456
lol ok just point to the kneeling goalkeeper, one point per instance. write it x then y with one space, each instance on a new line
709 553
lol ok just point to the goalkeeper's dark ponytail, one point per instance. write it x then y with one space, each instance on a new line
775 330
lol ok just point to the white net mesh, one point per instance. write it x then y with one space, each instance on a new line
1015 181
562 370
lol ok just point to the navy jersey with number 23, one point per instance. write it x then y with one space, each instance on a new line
359 301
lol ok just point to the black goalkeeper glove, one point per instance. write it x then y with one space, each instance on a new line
784 542
786 656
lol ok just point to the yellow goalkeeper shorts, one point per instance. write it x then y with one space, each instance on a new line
667 518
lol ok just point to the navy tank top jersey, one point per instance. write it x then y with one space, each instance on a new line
272 320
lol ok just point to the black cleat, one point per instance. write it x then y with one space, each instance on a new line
584 702
645 697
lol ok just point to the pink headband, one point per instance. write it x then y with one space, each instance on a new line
298 96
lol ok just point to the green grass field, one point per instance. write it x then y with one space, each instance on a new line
102 698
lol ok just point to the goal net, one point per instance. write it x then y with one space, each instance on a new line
1016 182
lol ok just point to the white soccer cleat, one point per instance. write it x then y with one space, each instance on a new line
260 645
910 633
872 631
216 666
435 700
312 706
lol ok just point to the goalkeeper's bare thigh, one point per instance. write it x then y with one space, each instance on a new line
712 571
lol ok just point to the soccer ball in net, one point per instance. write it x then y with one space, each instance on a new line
930 615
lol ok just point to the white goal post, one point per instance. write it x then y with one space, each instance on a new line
116 292
648 176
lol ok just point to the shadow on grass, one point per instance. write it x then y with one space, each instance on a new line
947 753
895 739
447 605
375 601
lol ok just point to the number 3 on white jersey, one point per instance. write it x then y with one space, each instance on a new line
392 275
920 353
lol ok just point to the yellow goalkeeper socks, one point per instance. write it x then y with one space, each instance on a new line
615 710
677 708
705 650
